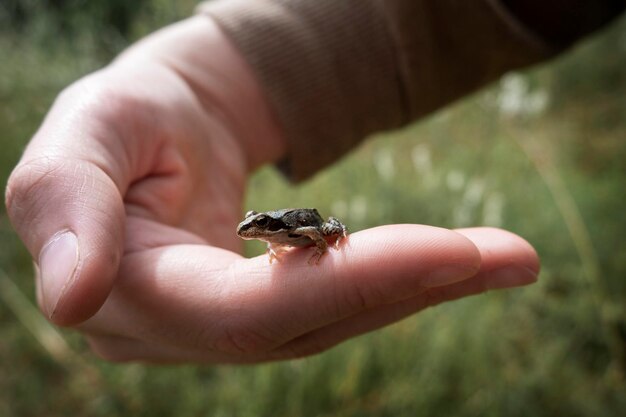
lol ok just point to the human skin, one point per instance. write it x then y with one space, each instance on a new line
129 194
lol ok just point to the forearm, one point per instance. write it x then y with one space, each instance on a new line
336 71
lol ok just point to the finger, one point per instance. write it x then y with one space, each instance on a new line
65 201
170 297
507 261
206 298
375 267
506 257
143 234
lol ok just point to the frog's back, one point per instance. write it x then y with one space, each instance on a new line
298 217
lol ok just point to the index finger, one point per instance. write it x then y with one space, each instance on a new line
214 301
374 267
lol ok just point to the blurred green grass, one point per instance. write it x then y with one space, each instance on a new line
542 153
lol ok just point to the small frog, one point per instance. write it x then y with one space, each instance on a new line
292 227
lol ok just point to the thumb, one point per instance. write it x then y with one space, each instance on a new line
65 199
69 212
70 216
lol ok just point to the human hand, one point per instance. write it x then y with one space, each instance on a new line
152 150
201 303
137 177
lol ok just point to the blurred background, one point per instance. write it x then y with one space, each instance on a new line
541 152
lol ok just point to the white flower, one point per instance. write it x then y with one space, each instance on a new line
384 164
465 211
515 97
422 163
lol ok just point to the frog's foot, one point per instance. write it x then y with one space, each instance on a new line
275 251
315 258
339 239
335 229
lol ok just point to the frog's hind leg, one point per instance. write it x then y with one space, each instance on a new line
314 234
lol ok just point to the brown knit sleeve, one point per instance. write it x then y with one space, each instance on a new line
336 71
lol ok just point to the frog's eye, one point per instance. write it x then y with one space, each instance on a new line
251 213
262 221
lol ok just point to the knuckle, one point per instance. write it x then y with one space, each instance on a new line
362 297
28 186
358 298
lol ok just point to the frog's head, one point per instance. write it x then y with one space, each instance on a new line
260 226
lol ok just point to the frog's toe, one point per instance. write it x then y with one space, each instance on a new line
273 252
272 257
315 258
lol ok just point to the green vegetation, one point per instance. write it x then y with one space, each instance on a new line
542 153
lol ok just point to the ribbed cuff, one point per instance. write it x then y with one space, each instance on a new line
329 69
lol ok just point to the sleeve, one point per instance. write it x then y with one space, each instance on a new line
336 71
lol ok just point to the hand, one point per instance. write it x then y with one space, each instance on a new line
153 150
129 194
201 303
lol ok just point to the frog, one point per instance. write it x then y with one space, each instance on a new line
292 227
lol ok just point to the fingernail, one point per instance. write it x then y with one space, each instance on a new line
57 264
510 276
448 274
